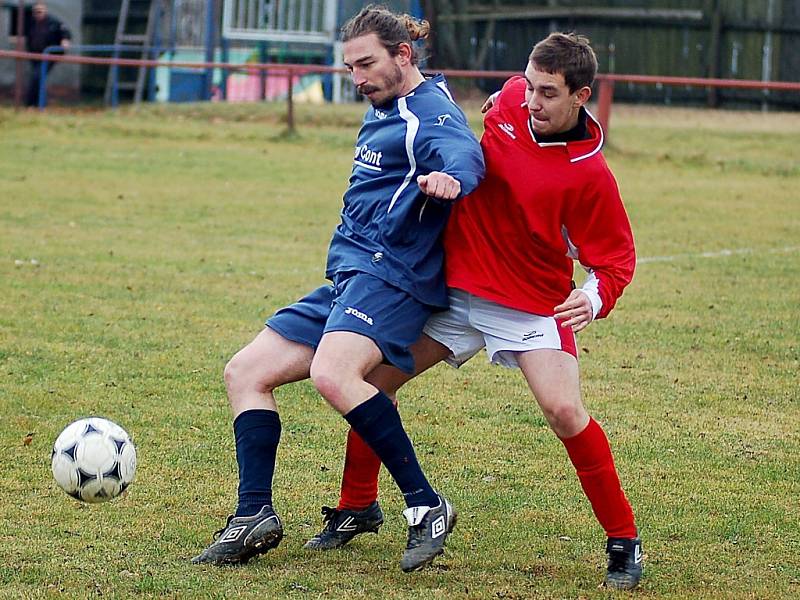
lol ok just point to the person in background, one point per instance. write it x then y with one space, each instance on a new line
45 31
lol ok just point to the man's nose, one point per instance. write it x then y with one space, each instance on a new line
358 77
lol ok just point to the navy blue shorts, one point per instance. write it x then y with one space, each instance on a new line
360 303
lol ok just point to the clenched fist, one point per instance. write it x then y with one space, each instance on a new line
439 185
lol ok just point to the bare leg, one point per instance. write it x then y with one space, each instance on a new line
251 376
359 487
426 351
553 377
267 362
339 371
340 366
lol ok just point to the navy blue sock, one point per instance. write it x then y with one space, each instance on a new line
257 435
378 423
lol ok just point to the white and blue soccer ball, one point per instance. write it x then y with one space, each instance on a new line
94 460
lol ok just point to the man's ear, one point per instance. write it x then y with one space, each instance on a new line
404 53
582 96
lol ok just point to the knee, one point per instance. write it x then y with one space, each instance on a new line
232 374
566 419
241 378
337 381
327 382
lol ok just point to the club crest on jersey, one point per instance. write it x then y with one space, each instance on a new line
358 314
380 114
367 158
440 120
508 128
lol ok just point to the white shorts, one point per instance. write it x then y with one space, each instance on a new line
472 323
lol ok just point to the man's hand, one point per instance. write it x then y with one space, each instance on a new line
575 311
489 102
439 185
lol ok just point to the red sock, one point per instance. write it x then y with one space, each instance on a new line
360 477
591 455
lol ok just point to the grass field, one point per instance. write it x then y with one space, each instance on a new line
140 250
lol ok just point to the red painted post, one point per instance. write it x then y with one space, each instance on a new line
290 102
605 96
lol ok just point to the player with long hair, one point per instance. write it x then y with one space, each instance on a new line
414 154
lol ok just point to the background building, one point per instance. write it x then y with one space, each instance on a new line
738 39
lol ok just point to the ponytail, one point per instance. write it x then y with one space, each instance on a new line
392 29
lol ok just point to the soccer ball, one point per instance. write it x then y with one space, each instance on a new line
93 460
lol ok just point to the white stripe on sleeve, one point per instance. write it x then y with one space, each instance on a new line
412 126
443 86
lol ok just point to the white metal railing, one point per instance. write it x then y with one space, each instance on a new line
311 21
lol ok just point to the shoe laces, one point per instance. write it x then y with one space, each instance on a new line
329 516
416 534
219 532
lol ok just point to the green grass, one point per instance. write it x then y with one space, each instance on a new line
140 250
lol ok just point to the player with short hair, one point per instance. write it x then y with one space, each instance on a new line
548 199
414 154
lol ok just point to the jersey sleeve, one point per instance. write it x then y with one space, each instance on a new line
447 144
599 235
512 92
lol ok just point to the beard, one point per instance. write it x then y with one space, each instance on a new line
387 91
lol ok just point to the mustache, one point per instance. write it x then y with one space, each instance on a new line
366 89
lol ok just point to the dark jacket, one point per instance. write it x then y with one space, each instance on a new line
49 32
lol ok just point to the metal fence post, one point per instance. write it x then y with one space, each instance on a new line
20 48
209 48
115 85
42 101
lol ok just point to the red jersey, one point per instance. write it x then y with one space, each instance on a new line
513 240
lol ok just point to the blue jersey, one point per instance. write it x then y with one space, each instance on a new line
389 228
